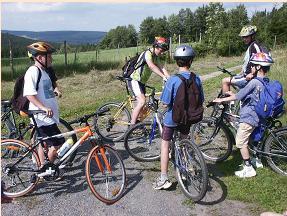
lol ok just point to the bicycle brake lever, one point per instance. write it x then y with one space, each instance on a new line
210 103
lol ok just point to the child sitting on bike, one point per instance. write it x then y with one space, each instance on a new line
249 120
141 75
184 56
247 34
44 98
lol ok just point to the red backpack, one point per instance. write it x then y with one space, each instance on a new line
187 106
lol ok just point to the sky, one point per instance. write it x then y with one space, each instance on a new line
92 16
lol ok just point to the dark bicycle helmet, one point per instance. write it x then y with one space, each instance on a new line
184 52
39 48
161 42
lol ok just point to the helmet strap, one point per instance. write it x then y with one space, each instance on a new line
41 62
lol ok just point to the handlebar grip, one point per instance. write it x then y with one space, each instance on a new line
210 103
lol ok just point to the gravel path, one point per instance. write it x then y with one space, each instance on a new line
72 196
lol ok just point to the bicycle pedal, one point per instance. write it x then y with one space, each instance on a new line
33 178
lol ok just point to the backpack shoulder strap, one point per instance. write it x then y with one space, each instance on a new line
181 77
143 60
39 77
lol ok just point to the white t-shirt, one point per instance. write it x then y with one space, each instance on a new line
45 94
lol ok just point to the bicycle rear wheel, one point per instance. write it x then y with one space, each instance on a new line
8 128
191 170
18 178
105 173
214 145
142 141
113 125
278 146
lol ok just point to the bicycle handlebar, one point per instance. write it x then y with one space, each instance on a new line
123 79
226 71
85 118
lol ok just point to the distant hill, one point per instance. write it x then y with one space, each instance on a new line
72 37
19 45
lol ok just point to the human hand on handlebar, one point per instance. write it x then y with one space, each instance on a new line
49 112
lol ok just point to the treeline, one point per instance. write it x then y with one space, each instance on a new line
210 28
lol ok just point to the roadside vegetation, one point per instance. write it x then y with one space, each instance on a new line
84 92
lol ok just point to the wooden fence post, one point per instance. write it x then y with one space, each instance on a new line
75 58
274 44
11 58
96 54
170 49
65 51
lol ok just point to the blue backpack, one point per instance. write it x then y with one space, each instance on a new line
271 102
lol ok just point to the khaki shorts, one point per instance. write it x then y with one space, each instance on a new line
243 134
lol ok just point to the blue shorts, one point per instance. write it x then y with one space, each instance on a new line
239 81
51 130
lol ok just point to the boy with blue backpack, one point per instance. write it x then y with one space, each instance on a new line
255 107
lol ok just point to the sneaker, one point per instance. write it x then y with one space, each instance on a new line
246 172
159 184
256 162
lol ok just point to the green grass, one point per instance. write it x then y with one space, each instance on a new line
267 190
83 93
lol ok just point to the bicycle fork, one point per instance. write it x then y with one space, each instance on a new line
102 152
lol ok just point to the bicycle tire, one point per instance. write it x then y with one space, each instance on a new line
277 163
8 130
214 148
107 186
142 142
191 170
109 128
63 126
18 182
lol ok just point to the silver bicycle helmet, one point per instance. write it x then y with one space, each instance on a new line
184 52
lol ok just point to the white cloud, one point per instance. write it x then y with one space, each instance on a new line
22 7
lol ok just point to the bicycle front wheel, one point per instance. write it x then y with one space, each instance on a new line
113 125
278 147
18 177
214 141
142 141
191 170
105 173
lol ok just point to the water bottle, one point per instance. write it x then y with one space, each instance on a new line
65 147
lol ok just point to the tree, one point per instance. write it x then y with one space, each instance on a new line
215 22
121 36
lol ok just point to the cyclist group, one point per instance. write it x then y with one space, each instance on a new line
256 64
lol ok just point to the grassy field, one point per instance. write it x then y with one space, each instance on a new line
87 61
83 93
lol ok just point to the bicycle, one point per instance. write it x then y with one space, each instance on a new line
11 129
215 138
234 106
142 142
113 127
105 171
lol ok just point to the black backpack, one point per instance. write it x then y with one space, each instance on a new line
131 65
187 106
19 102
